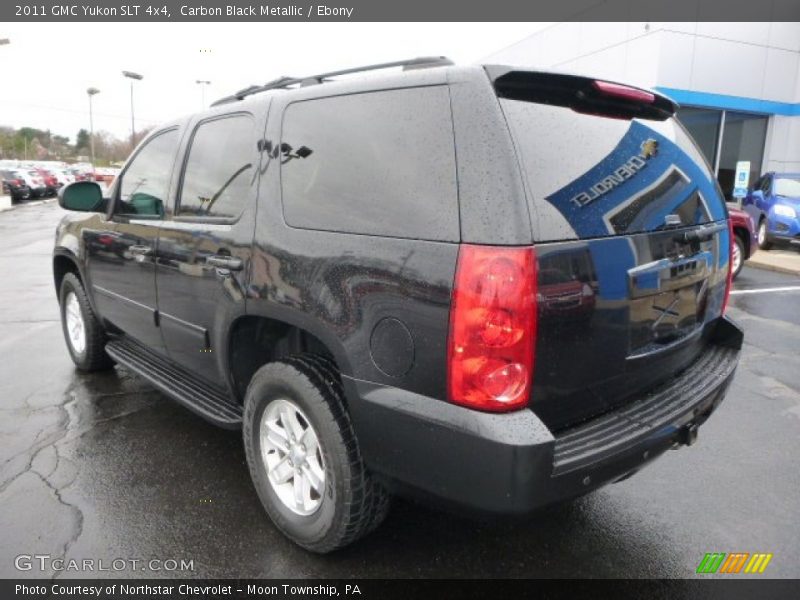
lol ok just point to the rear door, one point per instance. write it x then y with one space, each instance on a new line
631 238
204 247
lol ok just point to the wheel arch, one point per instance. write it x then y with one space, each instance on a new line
65 262
743 234
256 339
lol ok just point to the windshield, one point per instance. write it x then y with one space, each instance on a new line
787 186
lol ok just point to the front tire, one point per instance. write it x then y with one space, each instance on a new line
763 235
738 255
83 331
304 458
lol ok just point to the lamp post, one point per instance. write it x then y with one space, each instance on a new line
133 77
202 83
91 92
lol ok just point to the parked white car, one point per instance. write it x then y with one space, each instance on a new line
33 180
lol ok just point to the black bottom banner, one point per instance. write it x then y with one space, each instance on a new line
380 589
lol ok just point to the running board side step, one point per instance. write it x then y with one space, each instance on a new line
177 383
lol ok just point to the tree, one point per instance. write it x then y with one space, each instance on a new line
82 142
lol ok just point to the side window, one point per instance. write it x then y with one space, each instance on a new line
766 183
219 170
143 187
377 163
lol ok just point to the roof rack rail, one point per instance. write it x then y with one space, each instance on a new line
422 62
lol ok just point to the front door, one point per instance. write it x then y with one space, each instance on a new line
122 261
204 248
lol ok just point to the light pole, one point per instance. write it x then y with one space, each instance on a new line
133 77
91 92
202 83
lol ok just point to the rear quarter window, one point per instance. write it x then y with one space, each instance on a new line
377 163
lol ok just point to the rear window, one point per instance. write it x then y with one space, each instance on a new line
591 176
378 163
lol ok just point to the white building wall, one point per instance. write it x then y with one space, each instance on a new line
621 51
783 145
748 60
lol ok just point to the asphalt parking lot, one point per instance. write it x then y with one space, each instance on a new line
102 466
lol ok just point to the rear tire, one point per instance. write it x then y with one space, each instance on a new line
83 332
351 503
763 236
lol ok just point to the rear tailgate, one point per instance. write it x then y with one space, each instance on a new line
631 238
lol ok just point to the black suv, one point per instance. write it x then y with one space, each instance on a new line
485 286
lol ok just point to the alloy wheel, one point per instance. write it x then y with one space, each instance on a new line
293 457
76 328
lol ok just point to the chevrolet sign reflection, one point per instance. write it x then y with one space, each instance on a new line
632 166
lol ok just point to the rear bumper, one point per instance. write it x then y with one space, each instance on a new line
512 463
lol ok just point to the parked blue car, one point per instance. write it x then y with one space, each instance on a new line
774 205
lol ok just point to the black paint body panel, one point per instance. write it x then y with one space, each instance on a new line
380 305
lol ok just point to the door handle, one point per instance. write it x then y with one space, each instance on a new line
140 250
231 263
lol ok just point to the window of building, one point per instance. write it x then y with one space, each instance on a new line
143 186
219 171
703 124
743 138
378 163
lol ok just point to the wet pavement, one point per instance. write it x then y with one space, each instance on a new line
103 467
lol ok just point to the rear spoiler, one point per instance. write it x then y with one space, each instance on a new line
582 94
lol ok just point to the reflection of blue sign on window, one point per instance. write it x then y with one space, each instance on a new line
632 189
642 180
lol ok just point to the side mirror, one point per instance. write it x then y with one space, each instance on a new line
84 196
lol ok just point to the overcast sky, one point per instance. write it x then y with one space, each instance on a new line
51 65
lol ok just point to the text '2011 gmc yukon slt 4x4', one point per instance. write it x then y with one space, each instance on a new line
486 286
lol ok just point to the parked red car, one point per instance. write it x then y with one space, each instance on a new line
562 296
50 181
744 238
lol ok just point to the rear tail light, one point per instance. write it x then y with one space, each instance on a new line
729 280
492 336
16 181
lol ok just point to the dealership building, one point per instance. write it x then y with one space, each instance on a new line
738 84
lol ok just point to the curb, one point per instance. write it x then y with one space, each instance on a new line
773 268
28 203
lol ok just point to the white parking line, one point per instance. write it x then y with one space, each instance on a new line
789 288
